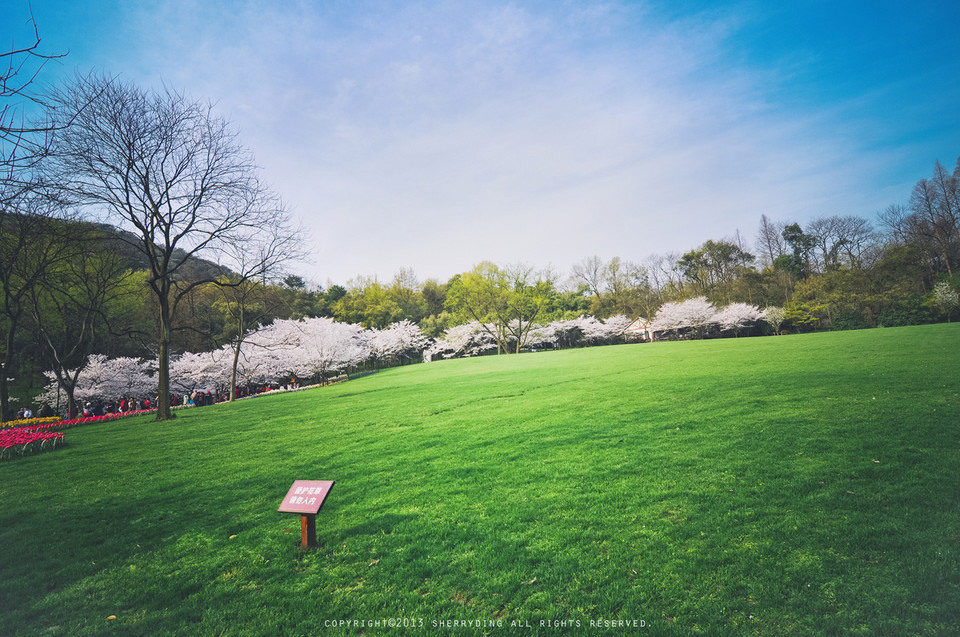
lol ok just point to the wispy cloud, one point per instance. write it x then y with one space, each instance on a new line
437 136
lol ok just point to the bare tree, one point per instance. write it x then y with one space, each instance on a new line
654 268
22 145
666 274
591 273
893 219
173 173
770 243
859 240
828 236
626 287
928 222
931 223
946 195
841 240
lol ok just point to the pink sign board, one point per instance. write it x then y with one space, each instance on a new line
306 497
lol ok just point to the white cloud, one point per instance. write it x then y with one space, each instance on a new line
435 137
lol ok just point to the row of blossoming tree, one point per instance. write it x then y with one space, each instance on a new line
310 348
698 317
319 348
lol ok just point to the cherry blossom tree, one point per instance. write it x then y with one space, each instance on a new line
399 340
328 346
206 371
269 352
468 339
586 329
946 298
591 329
695 314
309 347
737 316
115 378
567 331
616 326
543 335
101 378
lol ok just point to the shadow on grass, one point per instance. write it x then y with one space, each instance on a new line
383 524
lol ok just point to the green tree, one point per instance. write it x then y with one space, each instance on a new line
369 303
506 301
481 295
31 244
434 296
804 316
798 261
82 303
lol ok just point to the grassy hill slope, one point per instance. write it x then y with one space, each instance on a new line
799 484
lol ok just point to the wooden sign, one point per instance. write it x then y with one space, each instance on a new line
306 497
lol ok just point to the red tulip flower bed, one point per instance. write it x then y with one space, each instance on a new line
21 441
86 420
73 422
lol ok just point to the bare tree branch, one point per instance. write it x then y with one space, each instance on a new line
173 173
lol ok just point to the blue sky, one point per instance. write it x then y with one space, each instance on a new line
435 135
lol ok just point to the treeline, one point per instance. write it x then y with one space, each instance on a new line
834 272
191 250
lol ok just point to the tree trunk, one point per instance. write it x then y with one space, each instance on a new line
4 394
5 371
71 402
163 362
233 372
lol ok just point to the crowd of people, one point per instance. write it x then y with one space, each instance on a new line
123 405
196 398
43 412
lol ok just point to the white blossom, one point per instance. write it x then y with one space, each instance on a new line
696 313
543 335
736 316
403 339
205 371
468 339
945 297
617 325
103 378
309 347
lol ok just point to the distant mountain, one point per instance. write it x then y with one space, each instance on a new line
126 244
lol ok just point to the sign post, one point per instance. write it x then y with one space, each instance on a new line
306 497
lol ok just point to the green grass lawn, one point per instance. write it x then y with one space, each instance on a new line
795 484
